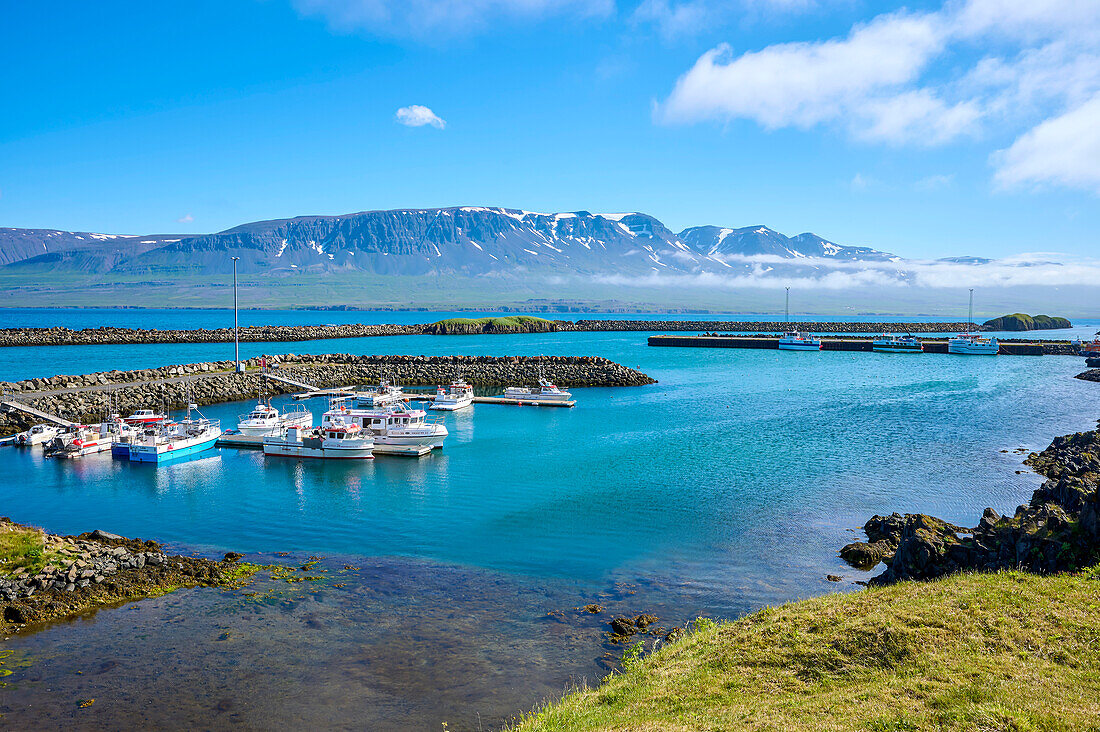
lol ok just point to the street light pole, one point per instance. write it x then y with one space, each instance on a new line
236 332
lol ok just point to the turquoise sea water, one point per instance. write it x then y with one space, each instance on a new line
728 485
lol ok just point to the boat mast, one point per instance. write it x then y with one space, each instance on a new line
970 317
787 309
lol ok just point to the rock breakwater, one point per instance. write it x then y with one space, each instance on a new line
88 397
1058 530
514 324
47 576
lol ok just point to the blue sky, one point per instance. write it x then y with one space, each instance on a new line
938 129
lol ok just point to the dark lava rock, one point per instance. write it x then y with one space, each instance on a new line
644 620
623 626
1090 375
594 608
232 556
833 578
674 635
863 555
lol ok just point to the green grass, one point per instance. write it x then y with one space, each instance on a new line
504 321
1005 651
21 548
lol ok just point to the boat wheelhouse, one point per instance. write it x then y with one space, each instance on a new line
458 396
797 341
265 420
146 416
335 441
893 343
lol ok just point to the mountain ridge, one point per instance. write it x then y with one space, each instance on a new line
466 240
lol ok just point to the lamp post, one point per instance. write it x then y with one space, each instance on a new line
236 333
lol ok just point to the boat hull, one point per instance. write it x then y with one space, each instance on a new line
433 441
451 406
164 453
972 349
275 449
799 347
897 349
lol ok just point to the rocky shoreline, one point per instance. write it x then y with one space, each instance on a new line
107 335
1057 531
88 397
62 576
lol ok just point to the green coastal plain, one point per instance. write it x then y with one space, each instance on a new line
997 651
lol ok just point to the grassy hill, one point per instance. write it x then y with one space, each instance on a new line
1004 651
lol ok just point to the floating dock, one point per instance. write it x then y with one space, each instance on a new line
827 344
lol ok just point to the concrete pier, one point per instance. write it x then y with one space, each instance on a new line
938 345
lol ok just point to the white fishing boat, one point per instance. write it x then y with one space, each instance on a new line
797 341
545 392
39 434
336 441
395 425
146 416
265 420
383 395
887 343
458 395
972 344
794 340
171 440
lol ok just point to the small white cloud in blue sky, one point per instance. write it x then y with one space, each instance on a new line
185 219
417 115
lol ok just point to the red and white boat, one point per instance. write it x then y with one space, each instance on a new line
144 417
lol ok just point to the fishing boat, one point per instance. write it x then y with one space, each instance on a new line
336 441
265 420
146 416
795 340
396 425
383 395
887 343
162 442
458 396
92 439
545 392
39 434
972 344
1088 350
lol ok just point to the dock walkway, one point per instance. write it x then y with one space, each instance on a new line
9 405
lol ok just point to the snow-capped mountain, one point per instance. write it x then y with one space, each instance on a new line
466 240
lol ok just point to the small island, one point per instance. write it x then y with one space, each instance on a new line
1021 321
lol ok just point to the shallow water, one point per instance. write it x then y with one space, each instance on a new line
728 485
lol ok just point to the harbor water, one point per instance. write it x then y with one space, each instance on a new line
451 582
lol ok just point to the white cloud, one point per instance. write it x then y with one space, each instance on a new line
925 79
416 115
767 271
803 84
421 18
1062 150
185 219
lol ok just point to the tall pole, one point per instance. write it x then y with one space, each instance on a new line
787 307
970 317
236 332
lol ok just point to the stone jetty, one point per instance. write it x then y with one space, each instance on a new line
88 397
46 576
290 333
